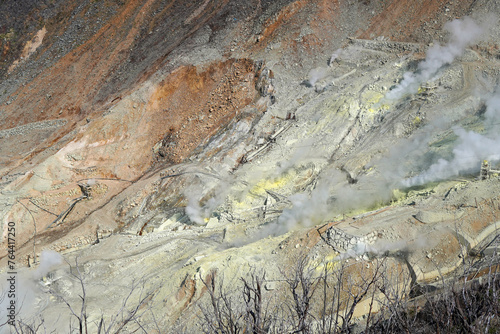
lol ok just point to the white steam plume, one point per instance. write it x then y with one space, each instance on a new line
317 74
193 209
472 148
382 246
28 290
301 153
335 55
333 196
463 33
468 154
217 185
200 213
48 260
306 210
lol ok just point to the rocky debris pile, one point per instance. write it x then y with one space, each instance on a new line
78 242
208 101
264 84
24 129
385 45
342 242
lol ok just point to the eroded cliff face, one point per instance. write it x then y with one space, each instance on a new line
162 140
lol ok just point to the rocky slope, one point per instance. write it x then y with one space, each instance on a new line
160 141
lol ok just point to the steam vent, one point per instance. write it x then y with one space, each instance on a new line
259 166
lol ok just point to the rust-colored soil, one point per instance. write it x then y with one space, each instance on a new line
192 105
411 20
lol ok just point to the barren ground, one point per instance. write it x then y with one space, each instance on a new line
163 141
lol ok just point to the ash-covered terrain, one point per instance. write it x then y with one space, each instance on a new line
150 148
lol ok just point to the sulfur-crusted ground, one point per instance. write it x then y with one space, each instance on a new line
160 142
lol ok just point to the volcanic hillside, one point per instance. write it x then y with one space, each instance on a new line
157 146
